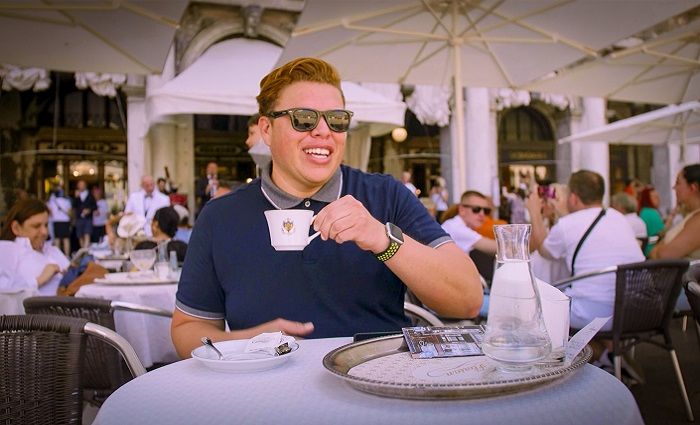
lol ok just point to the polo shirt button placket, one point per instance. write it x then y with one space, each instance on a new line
307 203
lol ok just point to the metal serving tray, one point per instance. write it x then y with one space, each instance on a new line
383 366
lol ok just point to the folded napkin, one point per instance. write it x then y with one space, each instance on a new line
269 343
555 312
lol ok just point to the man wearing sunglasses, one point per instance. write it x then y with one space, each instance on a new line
376 240
472 211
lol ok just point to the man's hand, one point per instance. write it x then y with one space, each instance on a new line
285 326
348 220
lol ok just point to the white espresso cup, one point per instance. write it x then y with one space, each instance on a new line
289 229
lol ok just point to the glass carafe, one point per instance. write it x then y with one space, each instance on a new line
515 335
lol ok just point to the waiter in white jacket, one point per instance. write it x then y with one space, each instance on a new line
146 202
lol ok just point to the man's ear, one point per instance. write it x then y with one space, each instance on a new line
265 128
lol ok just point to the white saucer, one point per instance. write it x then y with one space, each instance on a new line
236 361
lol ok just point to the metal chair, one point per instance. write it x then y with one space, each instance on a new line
645 298
104 371
41 367
420 316
691 286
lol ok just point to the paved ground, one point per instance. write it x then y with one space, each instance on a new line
659 399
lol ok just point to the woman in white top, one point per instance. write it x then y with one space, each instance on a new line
27 225
683 240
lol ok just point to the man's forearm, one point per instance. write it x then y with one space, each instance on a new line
444 279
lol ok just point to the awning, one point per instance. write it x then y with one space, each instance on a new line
674 124
226 79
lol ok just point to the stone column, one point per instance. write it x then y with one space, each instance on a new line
184 172
163 136
137 150
480 145
593 156
446 136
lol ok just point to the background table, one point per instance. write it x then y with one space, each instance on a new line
148 334
301 391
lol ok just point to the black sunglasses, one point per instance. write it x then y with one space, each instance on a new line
476 209
306 119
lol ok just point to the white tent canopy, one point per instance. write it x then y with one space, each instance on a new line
674 124
226 80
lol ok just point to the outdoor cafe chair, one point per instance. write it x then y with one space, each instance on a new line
691 286
42 364
104 371
420 316
645 298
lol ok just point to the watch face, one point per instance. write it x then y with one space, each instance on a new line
394 233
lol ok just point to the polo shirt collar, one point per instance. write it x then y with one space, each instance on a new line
282 200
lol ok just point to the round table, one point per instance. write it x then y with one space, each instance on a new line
301 391
148 334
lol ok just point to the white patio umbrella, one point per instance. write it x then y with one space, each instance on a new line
491 43
89 35
665 69
226 80
674 124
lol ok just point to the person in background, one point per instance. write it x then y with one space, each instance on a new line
205 187
99 216
257 148
164 228
406 180
60 209
41 265
83 207
627 205
683 240
439 196
633 187
649 213
184 230
610 242
486 228
163 188
146 202
375 240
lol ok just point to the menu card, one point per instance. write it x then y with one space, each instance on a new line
426 342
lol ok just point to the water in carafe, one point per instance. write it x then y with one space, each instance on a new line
515 335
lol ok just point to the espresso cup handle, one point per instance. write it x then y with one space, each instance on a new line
315 235
312 237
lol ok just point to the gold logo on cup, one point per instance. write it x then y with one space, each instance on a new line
288 226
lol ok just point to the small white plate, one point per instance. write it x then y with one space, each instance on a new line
236 361
133 278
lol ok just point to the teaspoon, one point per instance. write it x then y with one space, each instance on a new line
207 342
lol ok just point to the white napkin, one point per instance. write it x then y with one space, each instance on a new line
555 312
267 343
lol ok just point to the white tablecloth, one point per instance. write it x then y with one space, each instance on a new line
301 391
148 334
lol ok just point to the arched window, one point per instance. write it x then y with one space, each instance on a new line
526 147
524 125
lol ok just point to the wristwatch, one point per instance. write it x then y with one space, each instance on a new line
395 241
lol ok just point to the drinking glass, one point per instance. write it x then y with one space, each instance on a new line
143 259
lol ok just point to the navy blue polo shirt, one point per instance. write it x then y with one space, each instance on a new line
232 272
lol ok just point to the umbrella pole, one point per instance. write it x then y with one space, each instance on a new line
459 166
